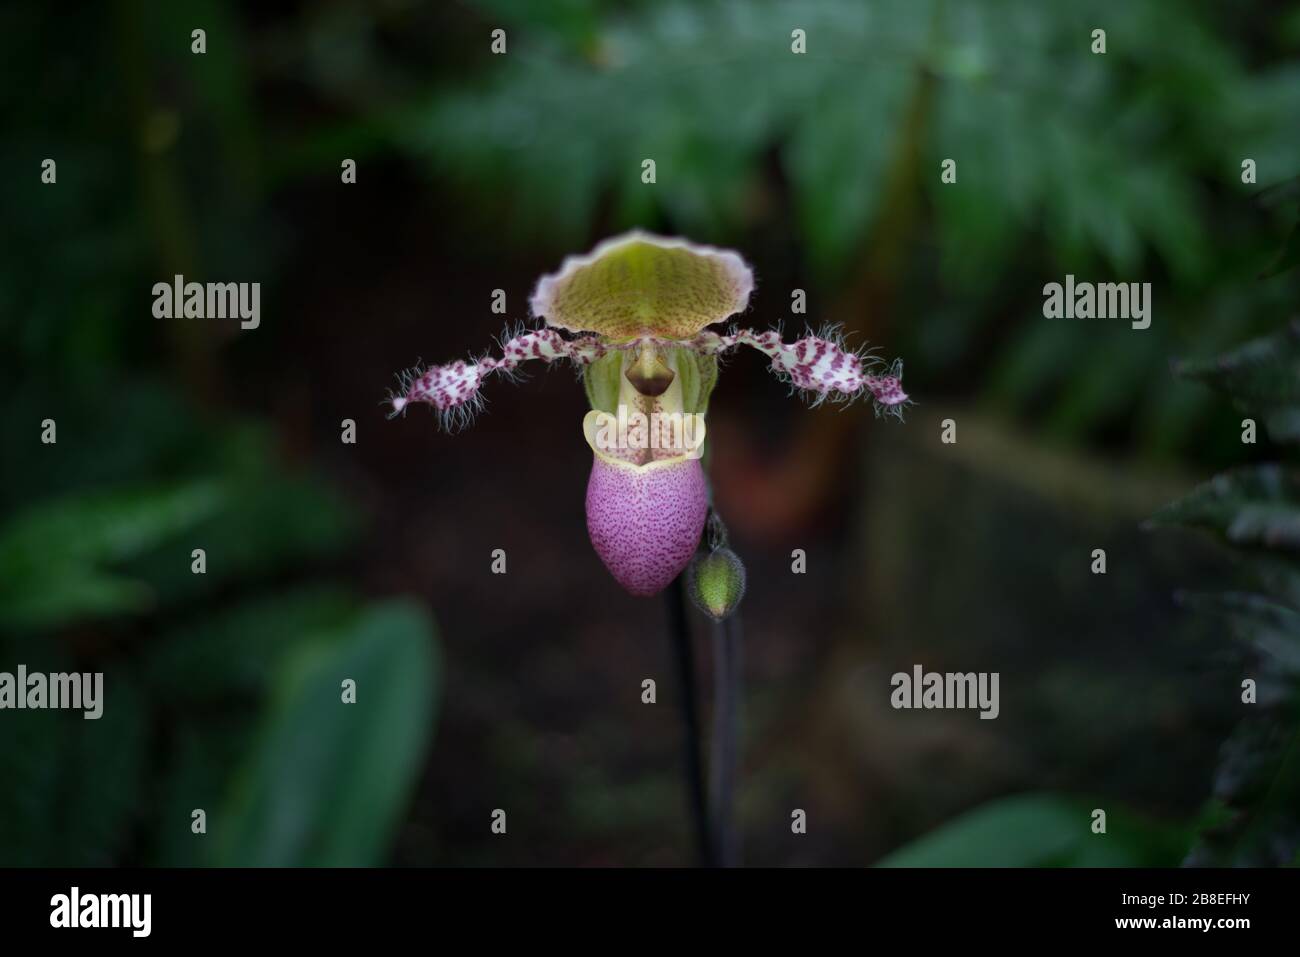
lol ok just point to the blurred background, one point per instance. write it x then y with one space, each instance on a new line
372 560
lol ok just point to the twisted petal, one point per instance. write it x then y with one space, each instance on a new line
453 389
819 365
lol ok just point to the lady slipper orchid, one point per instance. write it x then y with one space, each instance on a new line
633 315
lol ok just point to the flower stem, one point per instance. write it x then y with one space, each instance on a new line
679 630
722 761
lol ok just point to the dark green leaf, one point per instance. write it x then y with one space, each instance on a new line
1262 375
1041 830
1288 258
1257 793
328 781
53 555
1251 507
71 785
234 654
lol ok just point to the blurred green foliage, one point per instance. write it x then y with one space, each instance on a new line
1125 165
54 556
222 690
324 781
221 686
1043 830
1253 817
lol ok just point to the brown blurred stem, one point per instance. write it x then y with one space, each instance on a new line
680 635
726 723
167 215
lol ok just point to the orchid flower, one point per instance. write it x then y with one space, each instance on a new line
634 316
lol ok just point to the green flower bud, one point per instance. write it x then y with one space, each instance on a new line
716 582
